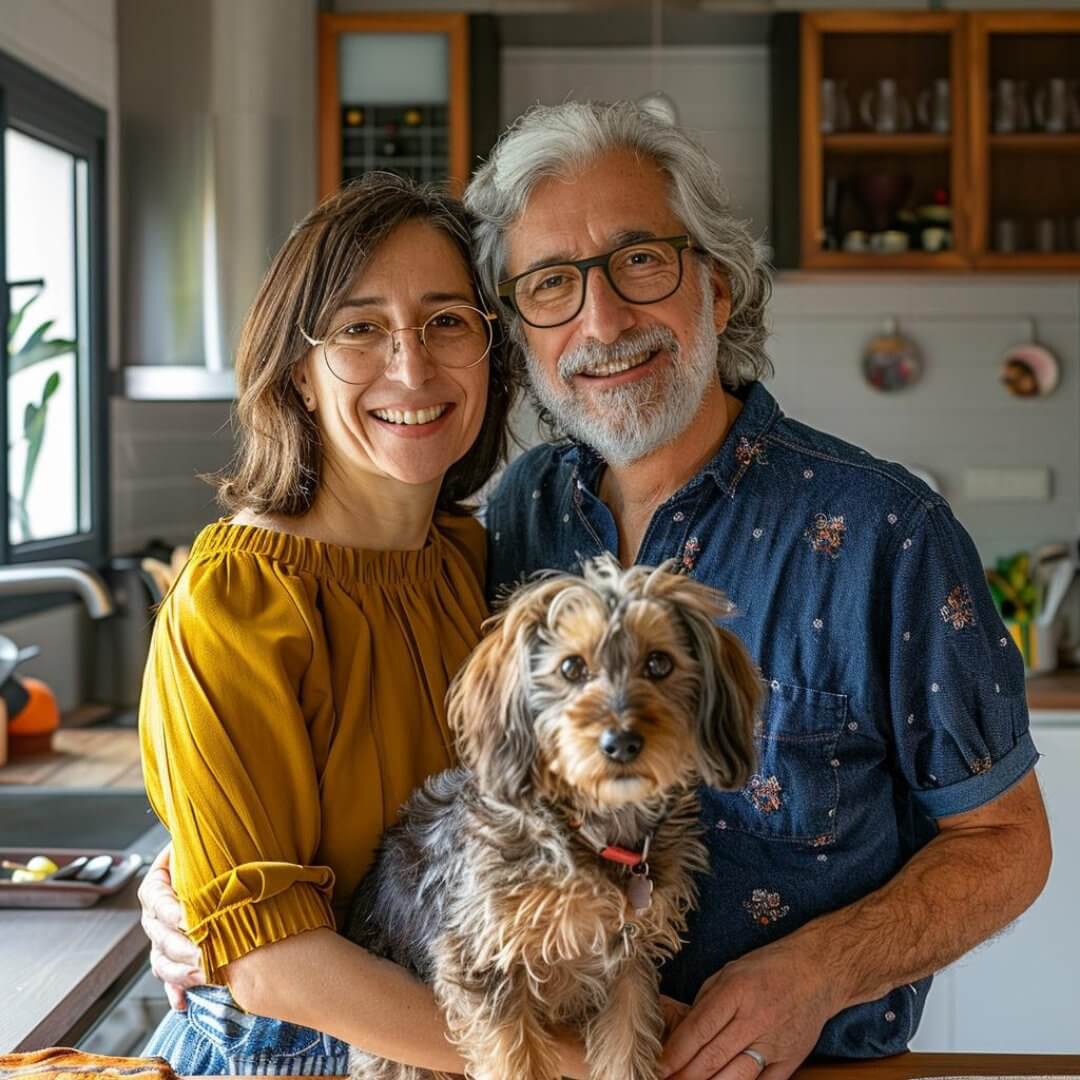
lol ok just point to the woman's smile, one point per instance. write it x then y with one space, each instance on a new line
413 423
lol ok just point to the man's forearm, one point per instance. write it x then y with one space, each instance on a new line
961 888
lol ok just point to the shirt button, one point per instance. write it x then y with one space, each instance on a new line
497 535
678 516
832 812
566 517
536 494
835 763
823 858
721 824
853 726
890 1016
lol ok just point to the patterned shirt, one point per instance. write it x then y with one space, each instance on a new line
896 696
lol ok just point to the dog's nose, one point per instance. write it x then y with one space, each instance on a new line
621 746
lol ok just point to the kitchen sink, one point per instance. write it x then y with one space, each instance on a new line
85 818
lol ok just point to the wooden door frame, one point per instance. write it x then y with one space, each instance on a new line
328 116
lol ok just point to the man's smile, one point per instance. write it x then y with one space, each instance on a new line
605 369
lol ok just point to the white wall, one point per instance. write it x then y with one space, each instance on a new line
73 42
722 94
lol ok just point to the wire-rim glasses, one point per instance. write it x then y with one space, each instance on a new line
457 337
641 272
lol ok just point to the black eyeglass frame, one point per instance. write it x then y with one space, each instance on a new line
507 287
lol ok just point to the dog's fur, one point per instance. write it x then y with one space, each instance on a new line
490 886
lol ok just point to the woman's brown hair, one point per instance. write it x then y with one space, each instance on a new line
278 458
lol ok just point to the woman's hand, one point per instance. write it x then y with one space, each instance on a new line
174 958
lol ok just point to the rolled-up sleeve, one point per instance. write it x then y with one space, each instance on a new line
956 688
228 761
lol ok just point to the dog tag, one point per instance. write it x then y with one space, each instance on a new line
639 890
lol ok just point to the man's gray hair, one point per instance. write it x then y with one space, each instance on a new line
560 140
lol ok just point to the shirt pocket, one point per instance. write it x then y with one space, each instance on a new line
794 793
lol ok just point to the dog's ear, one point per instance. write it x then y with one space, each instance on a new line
727 724
488 702
731 691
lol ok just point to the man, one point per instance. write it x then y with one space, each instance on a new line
894 821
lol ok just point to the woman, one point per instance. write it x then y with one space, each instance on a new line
294 692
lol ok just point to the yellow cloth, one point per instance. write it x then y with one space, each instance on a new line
293 698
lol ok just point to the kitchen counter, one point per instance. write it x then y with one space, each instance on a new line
62 965
912 1066
1059 690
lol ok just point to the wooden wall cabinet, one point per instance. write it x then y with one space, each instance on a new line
902 162
411 93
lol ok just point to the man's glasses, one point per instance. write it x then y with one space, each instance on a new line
644 272
361 350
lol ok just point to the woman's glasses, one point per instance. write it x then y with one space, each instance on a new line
360 351
644 272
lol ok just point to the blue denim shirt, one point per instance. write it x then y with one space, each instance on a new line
895 695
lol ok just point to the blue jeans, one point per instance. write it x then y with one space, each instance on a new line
216 1036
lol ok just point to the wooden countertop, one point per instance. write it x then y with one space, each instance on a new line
1056 690
915 1066
912 1066
59 962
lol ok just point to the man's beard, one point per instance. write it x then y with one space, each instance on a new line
624 423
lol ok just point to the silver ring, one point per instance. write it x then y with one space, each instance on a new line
756 1056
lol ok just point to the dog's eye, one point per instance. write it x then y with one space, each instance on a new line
658 665
573 669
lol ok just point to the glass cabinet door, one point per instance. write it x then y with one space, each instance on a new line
394 97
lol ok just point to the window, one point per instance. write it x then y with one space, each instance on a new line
53 415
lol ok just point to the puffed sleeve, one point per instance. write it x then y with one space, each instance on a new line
956 686
227 758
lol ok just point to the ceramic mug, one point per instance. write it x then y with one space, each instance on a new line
934 238
1052 106
835 110
934 107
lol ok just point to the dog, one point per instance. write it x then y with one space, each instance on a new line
541 884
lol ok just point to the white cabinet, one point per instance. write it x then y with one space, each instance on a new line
1020 992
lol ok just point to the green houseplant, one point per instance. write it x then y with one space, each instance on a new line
37 348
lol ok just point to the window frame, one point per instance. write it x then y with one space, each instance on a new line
35 105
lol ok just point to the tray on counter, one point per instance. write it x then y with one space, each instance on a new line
64 894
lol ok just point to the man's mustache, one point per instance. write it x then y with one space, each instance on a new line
634 342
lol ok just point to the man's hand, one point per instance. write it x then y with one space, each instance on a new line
674 1013
174 959
774 1001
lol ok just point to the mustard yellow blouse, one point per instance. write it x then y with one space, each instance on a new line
292 700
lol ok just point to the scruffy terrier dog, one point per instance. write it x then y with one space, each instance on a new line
541 885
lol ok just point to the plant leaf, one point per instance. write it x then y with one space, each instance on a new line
35 434
45 350
38 334
18 515
34 431
16 317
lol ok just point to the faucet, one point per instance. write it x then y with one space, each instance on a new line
60 576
